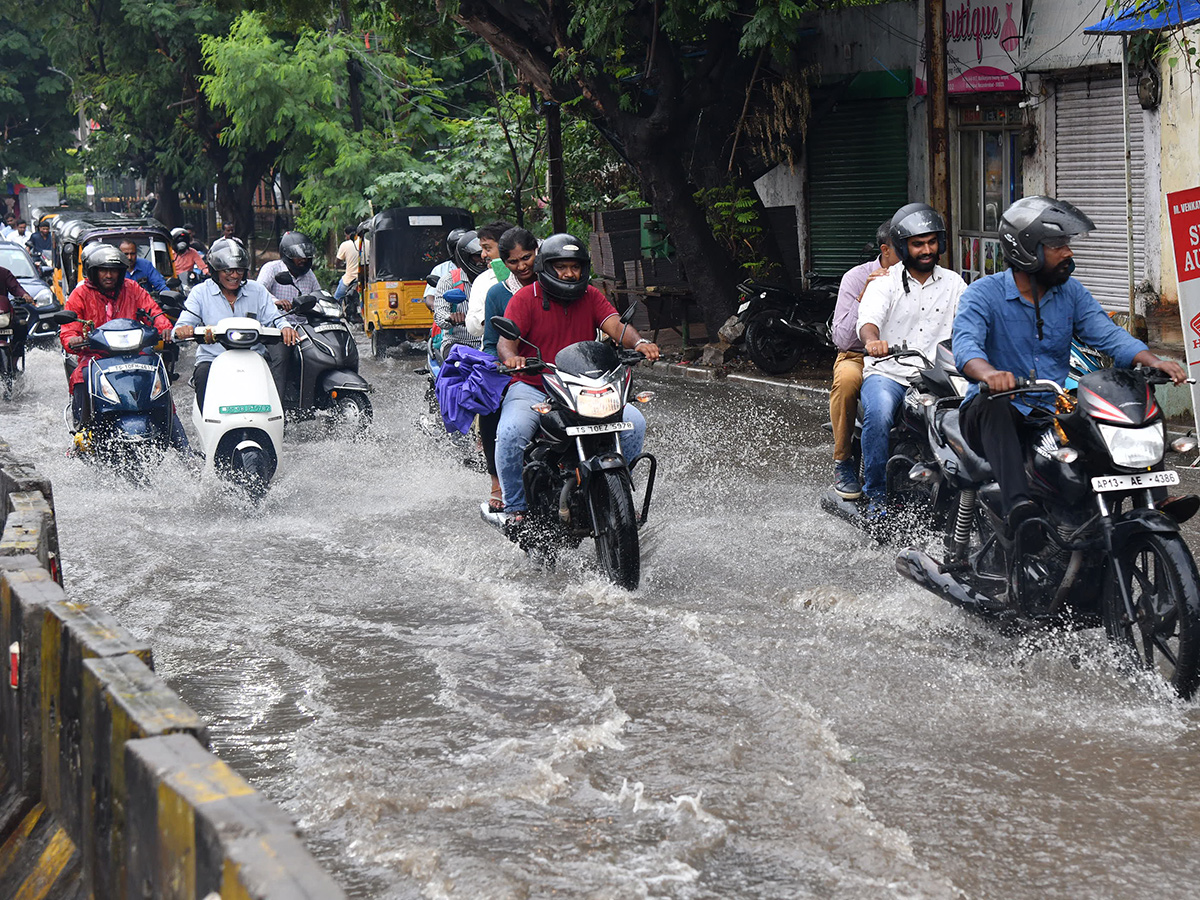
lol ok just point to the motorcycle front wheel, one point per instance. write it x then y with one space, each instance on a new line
1163 584
251 472
351 414
617 548
775 352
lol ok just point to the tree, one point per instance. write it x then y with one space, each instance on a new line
674 86
36 117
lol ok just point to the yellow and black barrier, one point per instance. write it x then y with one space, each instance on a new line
107 789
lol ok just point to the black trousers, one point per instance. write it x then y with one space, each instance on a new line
487 436
990 427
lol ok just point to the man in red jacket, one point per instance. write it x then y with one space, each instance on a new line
103 295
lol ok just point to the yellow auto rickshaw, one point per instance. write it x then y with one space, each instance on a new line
70 232
404 245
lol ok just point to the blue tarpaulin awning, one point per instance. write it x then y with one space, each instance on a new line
1149 15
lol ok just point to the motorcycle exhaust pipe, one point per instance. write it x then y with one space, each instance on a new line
920 569
564 503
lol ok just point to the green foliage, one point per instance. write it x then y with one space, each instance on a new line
733 216
36 114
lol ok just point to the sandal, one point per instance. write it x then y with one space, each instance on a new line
496 501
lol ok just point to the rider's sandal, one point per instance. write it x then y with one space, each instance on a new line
496 501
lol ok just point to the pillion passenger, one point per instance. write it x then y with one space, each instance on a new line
848 367
914 304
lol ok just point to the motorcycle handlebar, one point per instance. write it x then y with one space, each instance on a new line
531 367
1024 386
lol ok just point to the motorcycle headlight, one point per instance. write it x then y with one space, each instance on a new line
160 384
5 320
106 389
597 403
1133 448
129 339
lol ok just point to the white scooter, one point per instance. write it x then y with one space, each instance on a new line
241 426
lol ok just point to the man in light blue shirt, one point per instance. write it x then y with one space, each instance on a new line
1020 323
227 294
138 268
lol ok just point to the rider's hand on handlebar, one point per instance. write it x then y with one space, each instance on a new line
877 348
290 337
285 305
998 382
648 350
1173 370
513 362
78 342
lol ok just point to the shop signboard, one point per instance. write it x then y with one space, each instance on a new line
982 45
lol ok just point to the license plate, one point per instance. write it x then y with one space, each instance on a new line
245 408
6 331
604 428
1103 483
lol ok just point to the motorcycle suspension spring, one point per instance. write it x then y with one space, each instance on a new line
962 519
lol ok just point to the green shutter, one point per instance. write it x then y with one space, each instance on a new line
857 176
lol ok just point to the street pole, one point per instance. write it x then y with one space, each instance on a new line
554 154
939 110
1128 175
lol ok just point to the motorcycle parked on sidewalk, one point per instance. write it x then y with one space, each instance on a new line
577 482
130 412
1104 547
781 326
322 370
241 426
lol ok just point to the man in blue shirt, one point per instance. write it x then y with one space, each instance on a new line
1022 321
138 268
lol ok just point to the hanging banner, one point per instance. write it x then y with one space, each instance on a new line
1183 209
982 45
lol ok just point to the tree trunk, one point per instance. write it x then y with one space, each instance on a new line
166 203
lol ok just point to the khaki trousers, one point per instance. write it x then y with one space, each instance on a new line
843 401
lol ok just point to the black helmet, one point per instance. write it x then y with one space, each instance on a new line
912 220
297 252
227 253
557 248
101 256
467 253
452 240
1029 223
181 239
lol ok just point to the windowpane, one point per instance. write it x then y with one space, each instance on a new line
995 185
969 205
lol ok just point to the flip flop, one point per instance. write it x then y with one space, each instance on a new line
496 501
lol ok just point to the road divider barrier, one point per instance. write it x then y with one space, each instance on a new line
107 786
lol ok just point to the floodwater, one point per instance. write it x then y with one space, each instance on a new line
773 714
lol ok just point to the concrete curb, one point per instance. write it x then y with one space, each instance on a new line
107 788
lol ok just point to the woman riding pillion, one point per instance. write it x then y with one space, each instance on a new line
559 309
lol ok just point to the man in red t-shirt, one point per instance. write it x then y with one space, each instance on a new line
558 309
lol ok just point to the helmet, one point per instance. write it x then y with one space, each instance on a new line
1030 222
452 240
467 254
556 248
227 253
912 220
297 252
101 256
181 239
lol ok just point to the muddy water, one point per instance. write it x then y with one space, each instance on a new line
773 714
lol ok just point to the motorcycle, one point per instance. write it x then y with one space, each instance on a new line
577 482
241 425
17 326
322 370
779 326
1104 547
130 413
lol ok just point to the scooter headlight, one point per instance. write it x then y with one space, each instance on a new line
106 389
1133 448
129 339
597 403
160 384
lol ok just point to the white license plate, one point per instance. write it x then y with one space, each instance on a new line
605 428
6 331
1104 483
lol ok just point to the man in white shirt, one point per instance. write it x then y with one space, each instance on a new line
489 242
914 304
347 256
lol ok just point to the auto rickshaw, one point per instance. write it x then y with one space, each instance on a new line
72 231
404 245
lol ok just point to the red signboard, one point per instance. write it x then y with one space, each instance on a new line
1183 207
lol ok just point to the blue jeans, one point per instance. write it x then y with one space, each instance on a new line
881 398
340 291
518 425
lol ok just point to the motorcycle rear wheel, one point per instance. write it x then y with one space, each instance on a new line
772 351
617 548
1161 577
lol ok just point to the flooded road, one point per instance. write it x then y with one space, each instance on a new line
774 714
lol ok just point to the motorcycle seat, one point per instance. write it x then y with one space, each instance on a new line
975 467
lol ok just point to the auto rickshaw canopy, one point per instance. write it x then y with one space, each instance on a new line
407 242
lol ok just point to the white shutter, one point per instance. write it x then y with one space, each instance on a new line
1089 171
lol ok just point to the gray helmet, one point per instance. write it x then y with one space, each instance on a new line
557 248
101 256
227 253
912 220
297 252
467 255
181 239
452 240
1029 223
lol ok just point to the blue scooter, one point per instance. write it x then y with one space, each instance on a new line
129 417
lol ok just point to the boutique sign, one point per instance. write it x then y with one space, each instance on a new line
982 42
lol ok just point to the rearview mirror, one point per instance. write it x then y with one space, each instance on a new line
432 280
506 328
284 278
630 310
174 284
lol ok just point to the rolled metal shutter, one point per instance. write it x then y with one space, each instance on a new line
858 176
1089 171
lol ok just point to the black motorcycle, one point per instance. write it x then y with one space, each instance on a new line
1104 547
781 326
577 482
16 327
